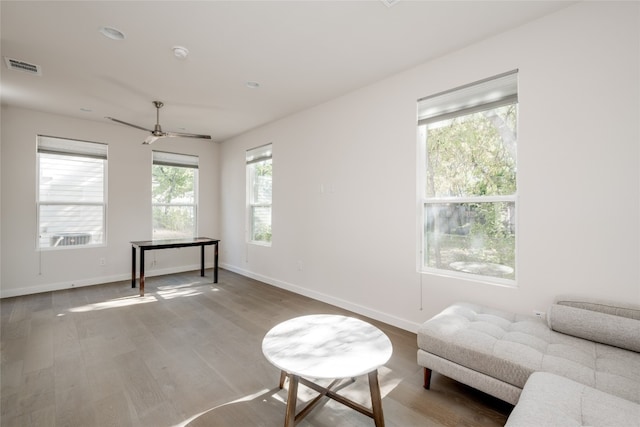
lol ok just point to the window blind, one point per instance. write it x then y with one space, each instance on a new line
259 154
174 159
71 147
492 92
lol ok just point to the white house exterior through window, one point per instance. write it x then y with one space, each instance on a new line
71 198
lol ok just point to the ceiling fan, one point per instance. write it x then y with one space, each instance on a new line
157 132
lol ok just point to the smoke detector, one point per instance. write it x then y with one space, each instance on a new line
15 64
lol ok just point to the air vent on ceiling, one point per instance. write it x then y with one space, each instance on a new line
14 64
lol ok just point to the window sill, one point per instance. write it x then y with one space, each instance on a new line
258 243
468 277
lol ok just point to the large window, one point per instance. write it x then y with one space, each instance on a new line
174 192
468 180
259 184
71 198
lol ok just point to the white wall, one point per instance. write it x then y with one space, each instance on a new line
26 270
354 244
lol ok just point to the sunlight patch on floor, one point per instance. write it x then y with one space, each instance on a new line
115 303
243 411
242 399
175 293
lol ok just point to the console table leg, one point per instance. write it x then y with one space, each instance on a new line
376 398
202 261
215 263
133 266
141 272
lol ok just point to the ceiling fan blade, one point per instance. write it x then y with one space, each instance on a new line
128 124
156 132
186 135
151 139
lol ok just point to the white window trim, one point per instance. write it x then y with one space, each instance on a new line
428 115
68 146
182 161
255 155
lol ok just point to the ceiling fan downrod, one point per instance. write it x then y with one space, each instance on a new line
157 130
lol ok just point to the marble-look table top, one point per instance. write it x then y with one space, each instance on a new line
326 346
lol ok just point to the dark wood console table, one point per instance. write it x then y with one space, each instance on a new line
148 245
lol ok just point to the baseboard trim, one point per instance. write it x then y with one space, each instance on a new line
92 281
338 302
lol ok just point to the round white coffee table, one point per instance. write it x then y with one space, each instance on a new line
327 346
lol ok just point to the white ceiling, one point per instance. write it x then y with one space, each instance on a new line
302 53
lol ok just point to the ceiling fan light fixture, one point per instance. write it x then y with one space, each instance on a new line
112 33
180 52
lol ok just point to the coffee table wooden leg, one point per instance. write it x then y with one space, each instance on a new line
292 397
283 376
376 398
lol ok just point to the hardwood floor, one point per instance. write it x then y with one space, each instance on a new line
188 353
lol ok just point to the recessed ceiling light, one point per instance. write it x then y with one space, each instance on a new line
180 52
253 85
112 33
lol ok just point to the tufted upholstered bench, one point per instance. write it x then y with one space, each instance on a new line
551 400
497 351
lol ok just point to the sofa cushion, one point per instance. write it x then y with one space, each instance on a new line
622 309
595 326
551 400
510 347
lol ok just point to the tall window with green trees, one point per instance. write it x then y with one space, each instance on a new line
174 191
469 140
259 187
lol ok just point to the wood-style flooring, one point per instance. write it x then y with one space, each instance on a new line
188 353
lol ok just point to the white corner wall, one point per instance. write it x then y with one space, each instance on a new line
25 270
344 197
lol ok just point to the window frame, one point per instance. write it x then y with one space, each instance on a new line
453 105
253 156
78 149
178 160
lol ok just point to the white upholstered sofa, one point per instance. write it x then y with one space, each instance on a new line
586 348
